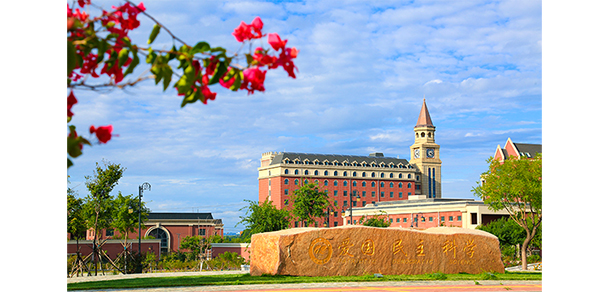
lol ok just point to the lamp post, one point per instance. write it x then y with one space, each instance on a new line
144 186
351 204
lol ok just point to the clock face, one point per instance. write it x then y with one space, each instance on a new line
416 153
430 153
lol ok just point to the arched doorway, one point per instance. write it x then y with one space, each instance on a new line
160 233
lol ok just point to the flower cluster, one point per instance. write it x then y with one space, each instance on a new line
103 133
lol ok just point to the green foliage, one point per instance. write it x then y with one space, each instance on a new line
125 214
437 276
515 185
377 220
509 233
309 202
98 208
76 222
263 218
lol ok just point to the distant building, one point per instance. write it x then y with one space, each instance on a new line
170 228
520 150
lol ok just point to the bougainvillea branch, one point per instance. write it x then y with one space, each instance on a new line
100 47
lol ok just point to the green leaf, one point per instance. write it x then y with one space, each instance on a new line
123 55
134 62
154 33
221 69
102 47
167 77
173 53
71 57
200 47
239 76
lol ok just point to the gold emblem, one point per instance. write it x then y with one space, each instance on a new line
320 251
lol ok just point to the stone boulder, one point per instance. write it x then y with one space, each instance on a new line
360 250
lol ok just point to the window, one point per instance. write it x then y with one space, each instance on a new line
431 219
450 218
364 174
363 203
372 174
335 183
354 174
306 172
391 194
404 219
345 183
382 194
336 204
373 194
363 194
344 203
409 185
345 193
285 192
335 192
391 220
159 233
336 223
315 172
363 184
296 171
459 218
382 184
409 175
285 171
336 173
345 173
286 181
296 182
326 172
473 217
391 175
400 185
201 232
372 184
286 202
391 184
418 187
442 218
354 183
382 175
305 181
400 175
326 182
400 194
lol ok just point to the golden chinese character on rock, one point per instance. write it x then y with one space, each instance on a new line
469 248
368 247
449 246
420 248
345 246
397 247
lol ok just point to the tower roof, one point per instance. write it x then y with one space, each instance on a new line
424 117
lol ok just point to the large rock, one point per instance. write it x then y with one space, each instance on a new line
360 250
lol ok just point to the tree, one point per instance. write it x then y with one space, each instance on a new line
263 218
309 202
98 204
377 220
76 222
515 185
125 218
100 48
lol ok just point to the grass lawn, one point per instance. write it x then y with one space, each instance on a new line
246 279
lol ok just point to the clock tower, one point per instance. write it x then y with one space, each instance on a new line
425 155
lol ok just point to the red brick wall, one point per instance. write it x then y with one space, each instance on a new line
398 219
242 251
114 247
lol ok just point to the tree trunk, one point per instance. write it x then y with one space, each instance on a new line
524 251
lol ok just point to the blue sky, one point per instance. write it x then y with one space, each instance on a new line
364 70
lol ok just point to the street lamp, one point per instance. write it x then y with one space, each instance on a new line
144 186
351 204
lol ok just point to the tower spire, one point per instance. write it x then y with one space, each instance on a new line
424 116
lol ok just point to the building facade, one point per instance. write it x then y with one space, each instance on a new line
170 228
355 181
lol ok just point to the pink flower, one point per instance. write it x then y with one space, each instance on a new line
275 41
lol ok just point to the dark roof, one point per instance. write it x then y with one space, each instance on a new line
529 150
174 216
377 158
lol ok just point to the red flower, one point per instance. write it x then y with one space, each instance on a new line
103 133
249 31
254 79
275 41
71 101
207 94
